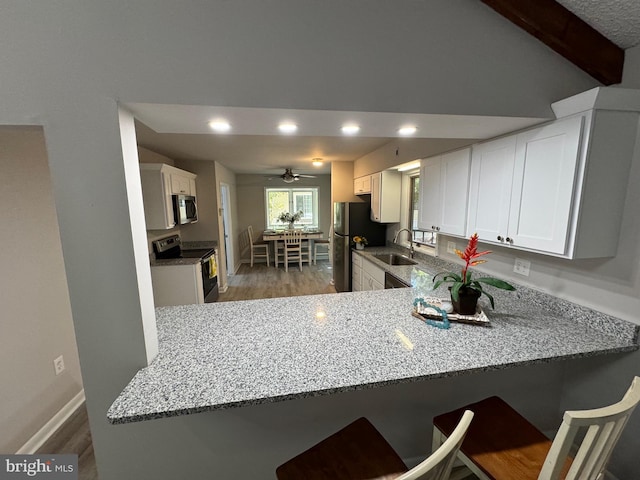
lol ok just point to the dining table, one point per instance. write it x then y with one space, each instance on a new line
276 236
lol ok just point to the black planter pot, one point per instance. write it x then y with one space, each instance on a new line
467 303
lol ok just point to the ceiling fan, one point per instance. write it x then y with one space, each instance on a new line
289 177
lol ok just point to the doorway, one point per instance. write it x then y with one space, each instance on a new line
226 228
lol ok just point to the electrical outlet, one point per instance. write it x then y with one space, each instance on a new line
522 267
58 365
451 247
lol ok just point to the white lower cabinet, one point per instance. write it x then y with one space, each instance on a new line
356 272
372 276
177 284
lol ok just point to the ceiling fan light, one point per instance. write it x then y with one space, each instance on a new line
317 162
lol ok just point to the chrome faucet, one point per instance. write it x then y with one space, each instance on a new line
395 240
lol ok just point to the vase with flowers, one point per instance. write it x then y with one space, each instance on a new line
360 242
466 290
290 218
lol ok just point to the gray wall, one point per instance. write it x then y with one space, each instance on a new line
66 64
36 324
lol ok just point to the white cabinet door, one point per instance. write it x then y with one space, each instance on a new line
522 187
362 185
543 186
181 185
385 197
490 191
429 215
454 191
177 284
356 272
372 276
444 192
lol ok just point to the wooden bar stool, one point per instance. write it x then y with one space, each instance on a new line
359 452
503 445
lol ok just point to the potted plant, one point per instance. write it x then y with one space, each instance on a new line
466 290
290 218
360 242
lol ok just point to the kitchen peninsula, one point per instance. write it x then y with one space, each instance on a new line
236 354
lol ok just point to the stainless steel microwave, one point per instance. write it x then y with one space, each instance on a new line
185 209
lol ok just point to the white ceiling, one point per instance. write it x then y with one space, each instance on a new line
255 146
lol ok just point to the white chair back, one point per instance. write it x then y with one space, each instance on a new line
250 233
603 428
292 237
438 465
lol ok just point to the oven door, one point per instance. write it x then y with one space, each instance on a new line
210 278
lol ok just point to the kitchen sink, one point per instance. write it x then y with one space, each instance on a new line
394 259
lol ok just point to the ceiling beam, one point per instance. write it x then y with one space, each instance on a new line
567 34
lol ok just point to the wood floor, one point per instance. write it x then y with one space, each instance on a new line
261 281
74 436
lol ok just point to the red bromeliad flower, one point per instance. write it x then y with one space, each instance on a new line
470 253
464 280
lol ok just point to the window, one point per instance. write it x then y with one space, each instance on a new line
419 236
283 200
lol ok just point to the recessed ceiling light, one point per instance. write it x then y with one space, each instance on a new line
317 162
350 129
220 126
287 127
407 130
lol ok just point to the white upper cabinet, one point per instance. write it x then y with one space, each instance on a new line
490 190
543 186
362 185
385 197
444 192
183 183
543 189
159 183
522 187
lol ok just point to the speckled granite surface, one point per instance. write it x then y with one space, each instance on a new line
233 354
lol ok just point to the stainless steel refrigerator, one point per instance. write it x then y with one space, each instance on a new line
351 219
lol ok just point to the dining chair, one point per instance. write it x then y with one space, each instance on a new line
502 444
322 243
292 248
259 248
359 452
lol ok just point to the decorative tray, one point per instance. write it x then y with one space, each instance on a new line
432 308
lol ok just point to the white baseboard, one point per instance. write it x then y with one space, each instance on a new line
49 428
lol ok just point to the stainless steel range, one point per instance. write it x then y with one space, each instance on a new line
172 248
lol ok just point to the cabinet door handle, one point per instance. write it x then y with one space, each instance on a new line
509 240
500 238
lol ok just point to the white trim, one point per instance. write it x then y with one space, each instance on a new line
49 428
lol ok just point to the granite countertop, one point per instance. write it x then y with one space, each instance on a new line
233 354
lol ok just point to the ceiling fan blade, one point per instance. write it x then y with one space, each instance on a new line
306 176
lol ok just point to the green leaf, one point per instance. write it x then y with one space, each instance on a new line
455 289
448 277
490 300
494 282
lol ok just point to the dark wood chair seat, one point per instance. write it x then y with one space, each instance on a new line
346 455
500 442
